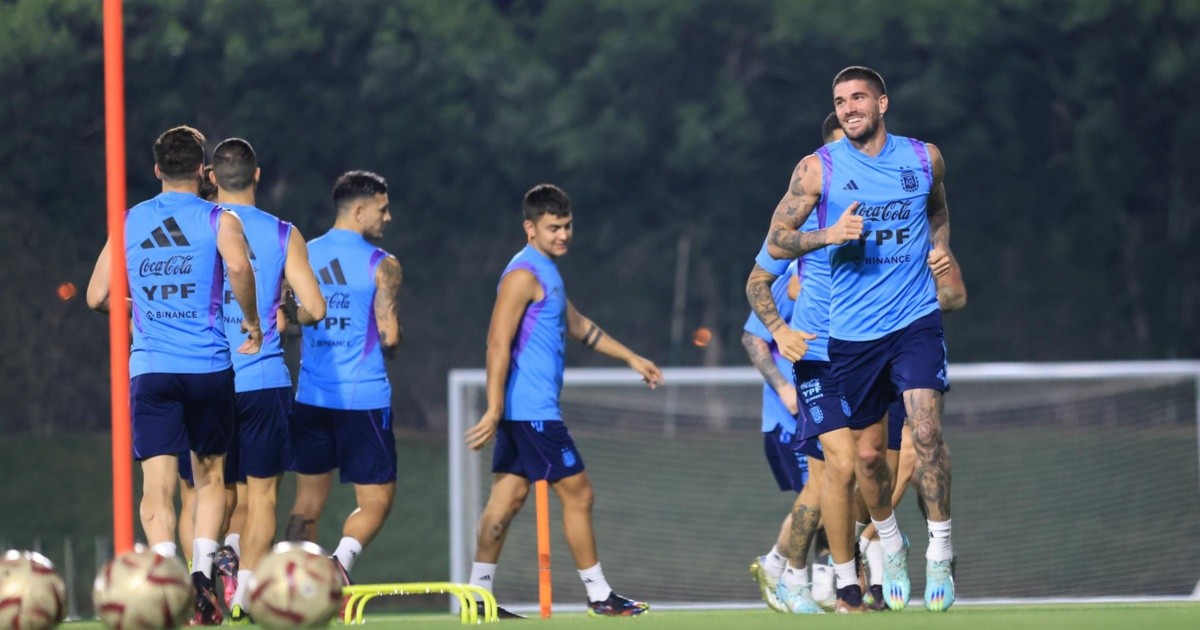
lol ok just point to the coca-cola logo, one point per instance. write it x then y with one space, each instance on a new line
338 300
173 266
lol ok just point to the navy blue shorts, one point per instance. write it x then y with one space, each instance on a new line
789 465
822 407
810 448
873 374
173 413
535 450
359 443
263 432
896 416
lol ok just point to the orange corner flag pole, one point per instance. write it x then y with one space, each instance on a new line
118 314
542 506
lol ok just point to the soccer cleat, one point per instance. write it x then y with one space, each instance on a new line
850 600
346 581
896 587
873 598
939 585
799 601
766 585
208 610
226 561
239 617
500 612
616 606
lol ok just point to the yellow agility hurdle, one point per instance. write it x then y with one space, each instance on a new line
359 594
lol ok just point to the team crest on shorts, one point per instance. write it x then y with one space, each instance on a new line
845 407
568 457
908 180
817 414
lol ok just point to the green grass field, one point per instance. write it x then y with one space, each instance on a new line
1056 617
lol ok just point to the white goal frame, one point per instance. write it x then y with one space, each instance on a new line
466 500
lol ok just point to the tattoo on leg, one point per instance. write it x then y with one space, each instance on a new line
804 527
298 527
933 456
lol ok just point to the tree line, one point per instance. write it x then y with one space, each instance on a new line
1066 129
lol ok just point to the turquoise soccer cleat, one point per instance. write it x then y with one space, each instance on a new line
896 588
939 585
800 601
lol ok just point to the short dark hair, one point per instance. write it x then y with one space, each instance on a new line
208 190
545 199
861 73
830 125
234 163
179 152
354 185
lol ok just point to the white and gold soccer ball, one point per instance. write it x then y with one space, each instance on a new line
31 593
296 586
140 589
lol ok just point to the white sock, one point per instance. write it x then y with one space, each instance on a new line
483 575
203 550
244 578
234 541
774 562
794 578
347 551
597 587
863 542
889 534
845 573
165 549
940 547
874 558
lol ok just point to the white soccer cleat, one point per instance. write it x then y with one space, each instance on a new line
766 585
799 601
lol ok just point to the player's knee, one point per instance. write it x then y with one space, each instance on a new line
840 470
872 456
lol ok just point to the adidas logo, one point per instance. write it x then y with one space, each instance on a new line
485 578
336 277
850 185
159 238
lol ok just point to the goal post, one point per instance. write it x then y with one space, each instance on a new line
1071 480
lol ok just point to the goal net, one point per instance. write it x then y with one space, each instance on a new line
1071 480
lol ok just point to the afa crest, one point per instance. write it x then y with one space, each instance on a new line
908 180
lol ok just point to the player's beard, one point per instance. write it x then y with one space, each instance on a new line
868 130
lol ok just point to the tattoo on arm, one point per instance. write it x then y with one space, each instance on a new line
758 292
593 335
760 356
387 303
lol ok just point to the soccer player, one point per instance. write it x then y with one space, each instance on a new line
181 377
343 414
885 326
531 320
262 381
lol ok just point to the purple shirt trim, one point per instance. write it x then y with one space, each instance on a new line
826 182
529 321
922 152
372 325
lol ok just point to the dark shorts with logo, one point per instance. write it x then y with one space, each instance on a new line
822 408
811 448
536 450
789 465
873 374
359 443
174 413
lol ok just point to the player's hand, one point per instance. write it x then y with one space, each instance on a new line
254 338
479 435
849 227
939 261
793 344
651 375
789 397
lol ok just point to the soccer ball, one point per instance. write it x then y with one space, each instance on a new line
141 589
31 594
296 586
823 590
